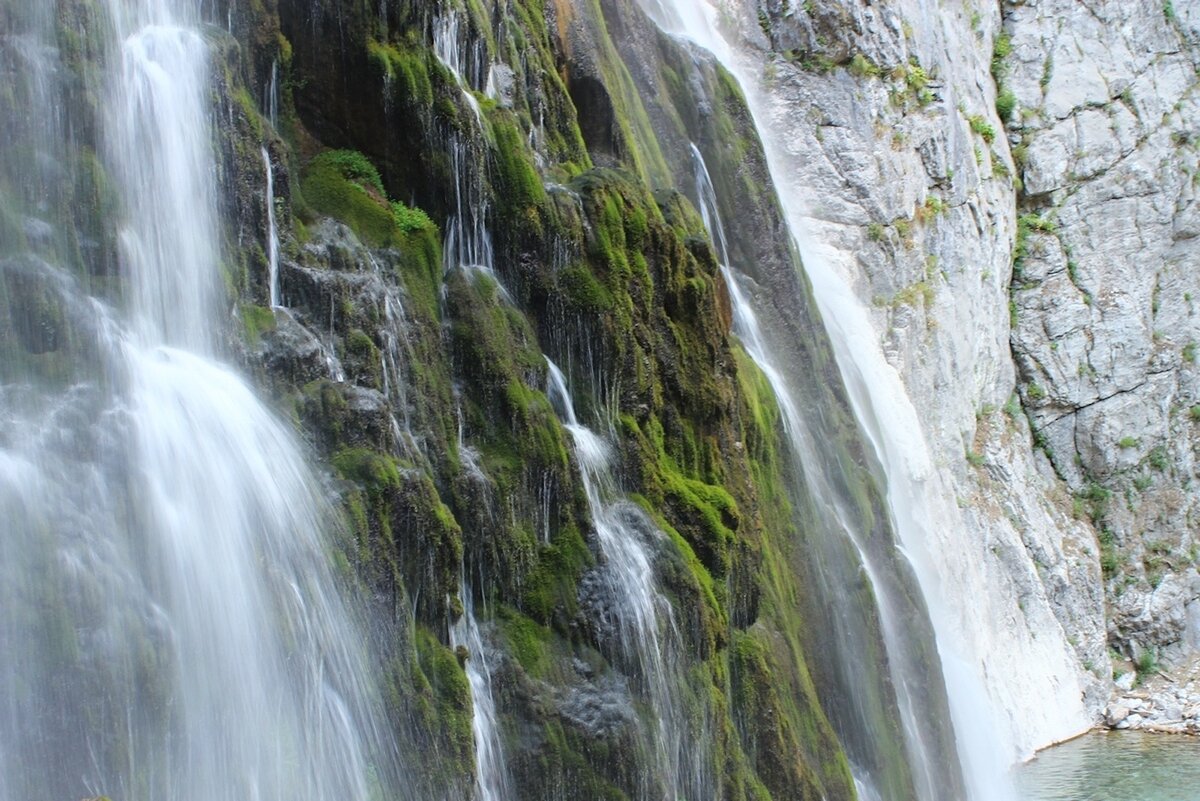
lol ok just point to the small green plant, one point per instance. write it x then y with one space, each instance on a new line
863 67
1096 498
1169 10
1013 407
1147 662
981 126
1047 71
1036 222
1189 352
1128 442
999 168
974 458
1001 49
1109 560
875 231
1003 46
1035 391
1006 104
1142 483
1026 224
915 76
355 167
1194 413
1158 458
410 219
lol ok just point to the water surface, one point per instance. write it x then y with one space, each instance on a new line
1115 766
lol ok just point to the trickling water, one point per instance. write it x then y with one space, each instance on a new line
491 772
169 626
649 640
272 234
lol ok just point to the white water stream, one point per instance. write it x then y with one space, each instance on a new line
272 234
468 242
838 519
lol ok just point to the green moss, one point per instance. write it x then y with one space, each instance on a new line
367 467
405 69
519 191
444 697
551 590
249 111
350 197
583 292
528 642
343 184
757 698
256 321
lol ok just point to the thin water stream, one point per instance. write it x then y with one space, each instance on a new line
492 782
272 234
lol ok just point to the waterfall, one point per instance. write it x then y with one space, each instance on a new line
169 623
272 234
649 641
891 425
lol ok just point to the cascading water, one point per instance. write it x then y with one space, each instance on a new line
649 641
169 626
879 404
